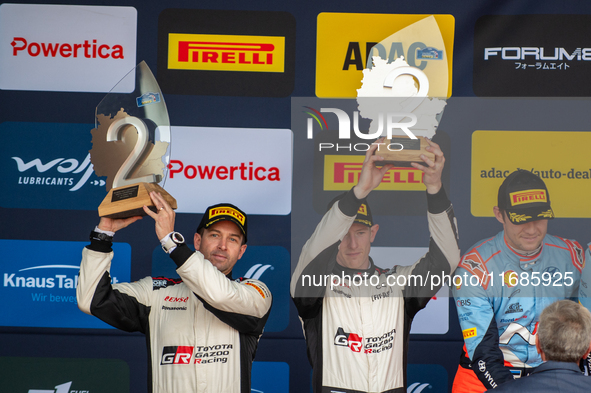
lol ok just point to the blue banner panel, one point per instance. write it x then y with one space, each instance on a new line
47 166
270 377
270 264
431 378
55 375
39 280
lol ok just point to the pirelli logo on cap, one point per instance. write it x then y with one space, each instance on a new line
342 172
528 196
362 209
469 333
213 52
227 211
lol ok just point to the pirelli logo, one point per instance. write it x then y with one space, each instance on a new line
528 196
227 211
342 172
469 333
214 52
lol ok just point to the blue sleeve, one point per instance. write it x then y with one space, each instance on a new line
480 332
585 284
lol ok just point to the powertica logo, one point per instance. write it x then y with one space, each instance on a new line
387 122
56 47
224 52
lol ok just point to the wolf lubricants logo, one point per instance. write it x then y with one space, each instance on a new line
214 52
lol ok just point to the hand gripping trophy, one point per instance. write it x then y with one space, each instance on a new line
400 98
131 145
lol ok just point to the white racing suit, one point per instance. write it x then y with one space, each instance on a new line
357 335
202 331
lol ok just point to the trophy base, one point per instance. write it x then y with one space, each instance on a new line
410 151
128 201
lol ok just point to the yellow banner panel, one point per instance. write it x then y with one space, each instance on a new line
560 158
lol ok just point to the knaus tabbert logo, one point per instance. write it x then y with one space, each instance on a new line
66 169
392 121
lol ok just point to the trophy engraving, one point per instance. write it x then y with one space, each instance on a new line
130 143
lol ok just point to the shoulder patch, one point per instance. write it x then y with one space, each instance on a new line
164 282
577 254
473 263
262 290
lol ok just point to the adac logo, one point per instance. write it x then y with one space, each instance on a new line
341 172
351 340
528 196
215 52
344 48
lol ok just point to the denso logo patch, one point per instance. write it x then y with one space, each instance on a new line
57 47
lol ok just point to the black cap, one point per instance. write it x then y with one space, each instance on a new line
363 213
224 212
524 196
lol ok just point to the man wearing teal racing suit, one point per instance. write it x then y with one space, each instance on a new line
585 296
506 283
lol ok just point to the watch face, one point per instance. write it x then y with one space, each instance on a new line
177 237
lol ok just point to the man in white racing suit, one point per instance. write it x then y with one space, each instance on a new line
203 329
357 322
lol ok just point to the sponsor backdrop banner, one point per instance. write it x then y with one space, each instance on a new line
270 377
234 53
39 280
57 375
248 167
67 47
539 56
560 158
47 166
270 264
344 42
434 318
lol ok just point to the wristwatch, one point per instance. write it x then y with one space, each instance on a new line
94 235
173 240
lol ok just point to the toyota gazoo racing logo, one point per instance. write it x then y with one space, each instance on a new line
350 340
202 354
64 172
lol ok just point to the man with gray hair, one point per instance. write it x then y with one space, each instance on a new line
563 339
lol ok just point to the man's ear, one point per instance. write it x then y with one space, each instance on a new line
197 241
242 249
373 232
499 214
